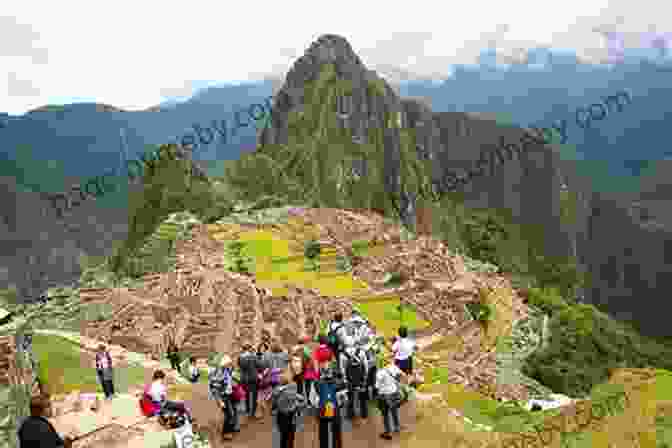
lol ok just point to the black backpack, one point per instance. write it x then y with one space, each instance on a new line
332 338
355 371
288 401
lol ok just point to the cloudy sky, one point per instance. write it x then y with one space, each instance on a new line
135 54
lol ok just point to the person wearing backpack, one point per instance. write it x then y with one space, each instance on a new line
335 336
389 397
329 386
355 371
286 406
220 386
278 360
249 365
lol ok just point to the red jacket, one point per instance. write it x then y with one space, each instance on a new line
323 354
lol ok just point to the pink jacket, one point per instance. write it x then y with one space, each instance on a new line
156 407
310 370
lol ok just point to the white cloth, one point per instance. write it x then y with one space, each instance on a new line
184 436
386 382
158 391
403 348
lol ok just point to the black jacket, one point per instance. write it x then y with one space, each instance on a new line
249 367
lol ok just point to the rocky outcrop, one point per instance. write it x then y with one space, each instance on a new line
528 186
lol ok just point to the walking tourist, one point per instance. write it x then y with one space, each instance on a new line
311 374
389 397
104 371
191 371
355 371
329 408
286 405
36 431
278 360
265 380
249 364
297 361
220 386
173 356
403 350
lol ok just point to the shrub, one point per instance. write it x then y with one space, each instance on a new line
394 279
546 299
311 251
481 312
584 345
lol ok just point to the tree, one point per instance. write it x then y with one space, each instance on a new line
168 185
312 252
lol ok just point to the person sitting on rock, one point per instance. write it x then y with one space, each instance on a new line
157 392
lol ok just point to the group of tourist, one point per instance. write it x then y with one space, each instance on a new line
328 381
344 369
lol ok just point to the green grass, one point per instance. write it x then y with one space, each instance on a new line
384 315
63 370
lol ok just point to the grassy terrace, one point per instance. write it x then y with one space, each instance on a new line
64 369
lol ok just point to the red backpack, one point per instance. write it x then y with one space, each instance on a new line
147 406
239 392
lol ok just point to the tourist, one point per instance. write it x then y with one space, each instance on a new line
173 356
403 350
311 373
249 364
104 371
323 353
372 348
220 386
36 431
192 372
297 362
286 405
329 409
355 370
278 361
360 326
265 379
389 397
336 332
157 392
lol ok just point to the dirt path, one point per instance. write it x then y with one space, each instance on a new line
358 433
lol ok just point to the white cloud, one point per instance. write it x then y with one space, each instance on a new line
131 53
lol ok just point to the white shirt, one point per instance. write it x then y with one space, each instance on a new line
385 380
158 391
403 348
